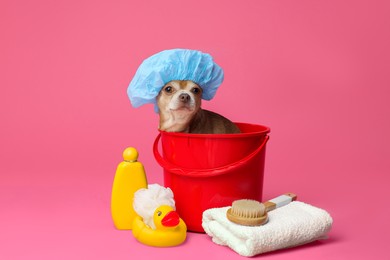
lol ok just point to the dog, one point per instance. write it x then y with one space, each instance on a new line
179 103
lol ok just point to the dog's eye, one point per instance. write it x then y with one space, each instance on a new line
168 89
196 90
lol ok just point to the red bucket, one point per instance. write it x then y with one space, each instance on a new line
212 170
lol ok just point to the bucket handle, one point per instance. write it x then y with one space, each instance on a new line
202 172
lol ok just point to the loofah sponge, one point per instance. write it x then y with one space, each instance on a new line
146 201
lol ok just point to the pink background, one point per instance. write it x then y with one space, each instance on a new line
316 72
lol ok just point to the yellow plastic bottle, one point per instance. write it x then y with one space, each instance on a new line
129 177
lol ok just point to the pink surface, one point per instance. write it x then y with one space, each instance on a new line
315 72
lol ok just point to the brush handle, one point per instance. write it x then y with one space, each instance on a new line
280 201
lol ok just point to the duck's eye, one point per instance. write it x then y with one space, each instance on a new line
168 89
196 90
159 213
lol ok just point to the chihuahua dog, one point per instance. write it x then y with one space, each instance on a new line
179 103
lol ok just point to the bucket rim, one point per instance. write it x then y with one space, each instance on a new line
266 131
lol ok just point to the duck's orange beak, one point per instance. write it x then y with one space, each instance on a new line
171 219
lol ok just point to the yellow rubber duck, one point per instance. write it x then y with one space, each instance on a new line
170 228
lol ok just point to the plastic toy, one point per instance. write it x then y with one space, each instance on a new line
170 229
157 223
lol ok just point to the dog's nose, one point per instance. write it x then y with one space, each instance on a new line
184 97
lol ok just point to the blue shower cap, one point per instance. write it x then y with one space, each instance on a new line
176 64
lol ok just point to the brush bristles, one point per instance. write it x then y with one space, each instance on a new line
248 208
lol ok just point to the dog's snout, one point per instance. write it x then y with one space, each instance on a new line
184 97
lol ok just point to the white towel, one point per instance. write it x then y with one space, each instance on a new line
294 224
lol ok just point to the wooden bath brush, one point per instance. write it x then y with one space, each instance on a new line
253 213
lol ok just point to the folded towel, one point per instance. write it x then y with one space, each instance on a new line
294 224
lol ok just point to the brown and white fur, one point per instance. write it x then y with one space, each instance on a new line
179 103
